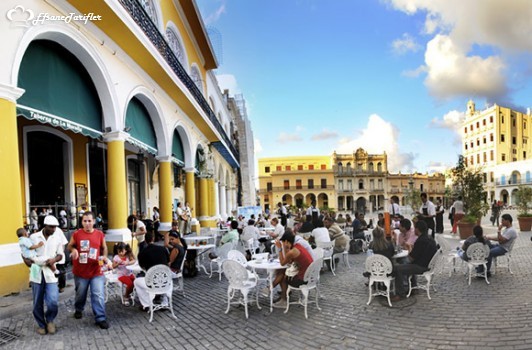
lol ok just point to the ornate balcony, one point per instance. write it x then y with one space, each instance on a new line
140 16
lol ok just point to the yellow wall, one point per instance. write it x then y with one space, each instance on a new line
14 279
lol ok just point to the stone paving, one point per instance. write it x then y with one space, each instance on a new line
480 316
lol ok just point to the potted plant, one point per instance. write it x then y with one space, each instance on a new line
524 206
469 184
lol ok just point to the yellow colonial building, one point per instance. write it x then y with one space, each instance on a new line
344 182
112 105
498 139
296 181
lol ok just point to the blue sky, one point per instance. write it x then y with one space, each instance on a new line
388 75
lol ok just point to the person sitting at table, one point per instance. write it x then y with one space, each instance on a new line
307 226
407 236
290 252
231 237
150 256
251 232
380 245
505 239
303 242
276 233
477 237
123 256
177 251
336 234
419 259
320 233
380 220
359 226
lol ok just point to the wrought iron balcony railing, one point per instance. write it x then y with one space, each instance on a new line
139 15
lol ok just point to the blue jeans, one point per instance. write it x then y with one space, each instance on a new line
45 293
496 250
97 285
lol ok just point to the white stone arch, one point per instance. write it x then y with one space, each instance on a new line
212 104
77 45
188 152
170 26
197 78
68 157
144 95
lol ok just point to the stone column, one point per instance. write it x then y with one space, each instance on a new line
165 193
223 202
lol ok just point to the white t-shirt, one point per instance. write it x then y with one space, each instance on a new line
321 234
140 225
458 207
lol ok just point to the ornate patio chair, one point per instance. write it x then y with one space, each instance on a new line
380 269
312 278
178 277
427 275
239 280
343 255
327 253
478 256
497 261
222 256
159 281
449 257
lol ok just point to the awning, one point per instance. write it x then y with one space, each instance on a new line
226 154
140 127
56 121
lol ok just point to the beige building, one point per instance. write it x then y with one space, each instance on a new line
498 140
344 182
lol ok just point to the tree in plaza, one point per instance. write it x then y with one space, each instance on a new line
469 184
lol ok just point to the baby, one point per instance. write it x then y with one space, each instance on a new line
28 249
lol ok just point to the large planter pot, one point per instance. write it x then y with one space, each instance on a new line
465 229
525 223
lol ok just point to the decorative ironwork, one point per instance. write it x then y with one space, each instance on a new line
139 15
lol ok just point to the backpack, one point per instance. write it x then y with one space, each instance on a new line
355 246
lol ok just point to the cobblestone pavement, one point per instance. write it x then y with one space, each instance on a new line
480 316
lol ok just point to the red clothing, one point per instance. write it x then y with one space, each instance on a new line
89 246
303 261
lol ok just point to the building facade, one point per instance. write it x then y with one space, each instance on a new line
356 182
296 181
115 109
497 139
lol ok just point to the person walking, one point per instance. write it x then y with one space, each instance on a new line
439 216
458 214
427 212
495 213
88 251
42 279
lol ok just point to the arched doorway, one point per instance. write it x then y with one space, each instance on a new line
287 199
323 201
299 200
361 205
504 196
48 169
133 186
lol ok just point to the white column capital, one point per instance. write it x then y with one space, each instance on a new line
115 136
164 159
10 93
190 170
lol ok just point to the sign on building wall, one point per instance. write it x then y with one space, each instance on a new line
246 212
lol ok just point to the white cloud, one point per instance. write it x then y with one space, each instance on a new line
415 73
380 136
459 28
228 81
438 167
452 73
213 17
324 135
452 121
406 44
288 138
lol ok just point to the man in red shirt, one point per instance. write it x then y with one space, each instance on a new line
88 251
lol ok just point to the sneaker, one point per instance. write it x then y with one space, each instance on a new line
78 315
265 292
281 304
41 331
50 327
102 324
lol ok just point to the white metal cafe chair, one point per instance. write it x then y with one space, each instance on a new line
327 253
239 280
498 260
344 256
449 257
427 275
221 257
380 270
312 278
159 281
477 254
178 277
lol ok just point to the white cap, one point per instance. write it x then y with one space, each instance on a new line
50 220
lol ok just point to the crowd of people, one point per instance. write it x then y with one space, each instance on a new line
292 237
